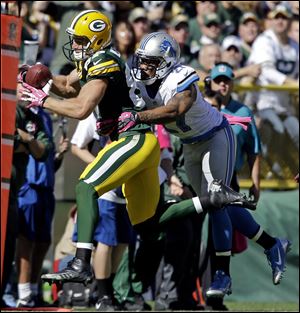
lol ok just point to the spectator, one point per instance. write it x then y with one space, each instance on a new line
211 30
208 56
178 28
232 54
294 7
36 211
30 139
203 8
248 31
229 15
294 33
279 59
124 40
156 14
140 23
45 16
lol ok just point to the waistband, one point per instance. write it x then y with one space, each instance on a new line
208 134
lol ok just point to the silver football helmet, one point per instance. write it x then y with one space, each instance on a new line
159 50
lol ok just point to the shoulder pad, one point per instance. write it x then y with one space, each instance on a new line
100 64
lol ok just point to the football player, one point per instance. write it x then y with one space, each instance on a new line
171 94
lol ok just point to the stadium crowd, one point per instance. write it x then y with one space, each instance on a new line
251 42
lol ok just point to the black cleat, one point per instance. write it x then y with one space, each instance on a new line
221 195
78 271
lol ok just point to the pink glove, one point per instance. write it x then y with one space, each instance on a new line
36 97
105 126
127 120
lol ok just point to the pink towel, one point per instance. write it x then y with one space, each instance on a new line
163 137
238 120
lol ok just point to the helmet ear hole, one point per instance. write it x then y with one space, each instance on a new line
99 42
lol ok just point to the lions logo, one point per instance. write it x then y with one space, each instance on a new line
167 48
97 26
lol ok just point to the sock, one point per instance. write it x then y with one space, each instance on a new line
223 264
84 254
103 287
177 210
34 288
24 290
265 240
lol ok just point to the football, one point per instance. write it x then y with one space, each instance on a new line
38 75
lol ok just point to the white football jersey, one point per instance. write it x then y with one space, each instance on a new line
201 117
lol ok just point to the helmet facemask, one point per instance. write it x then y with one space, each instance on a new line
78 54
142 63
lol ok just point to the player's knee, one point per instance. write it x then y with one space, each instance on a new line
83 188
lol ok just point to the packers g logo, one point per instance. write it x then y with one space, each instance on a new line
97 26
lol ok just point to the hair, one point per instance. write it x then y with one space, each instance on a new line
131 47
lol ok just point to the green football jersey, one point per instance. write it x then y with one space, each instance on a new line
108 64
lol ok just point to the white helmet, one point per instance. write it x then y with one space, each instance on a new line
160 48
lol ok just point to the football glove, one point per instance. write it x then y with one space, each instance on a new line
36 97
105 127
127 120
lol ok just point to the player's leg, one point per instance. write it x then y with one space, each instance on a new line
218 158
115 164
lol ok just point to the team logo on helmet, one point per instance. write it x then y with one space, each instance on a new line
97 26
166 47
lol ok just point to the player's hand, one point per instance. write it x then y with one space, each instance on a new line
105 127
127 120
254 193
36 97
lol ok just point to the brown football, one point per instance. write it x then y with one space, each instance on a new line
38 75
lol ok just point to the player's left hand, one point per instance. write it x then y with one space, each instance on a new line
36 97
254 193
127 120
106 126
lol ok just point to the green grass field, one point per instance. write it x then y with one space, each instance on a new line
262 306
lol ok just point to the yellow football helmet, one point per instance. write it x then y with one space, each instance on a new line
93 29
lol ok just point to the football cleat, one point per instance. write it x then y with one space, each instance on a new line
220 286
78 271
105 304
221 195
277 258
27 302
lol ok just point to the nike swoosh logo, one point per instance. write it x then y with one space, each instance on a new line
95 63
279 259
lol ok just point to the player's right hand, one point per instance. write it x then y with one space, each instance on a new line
127 120
36 97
